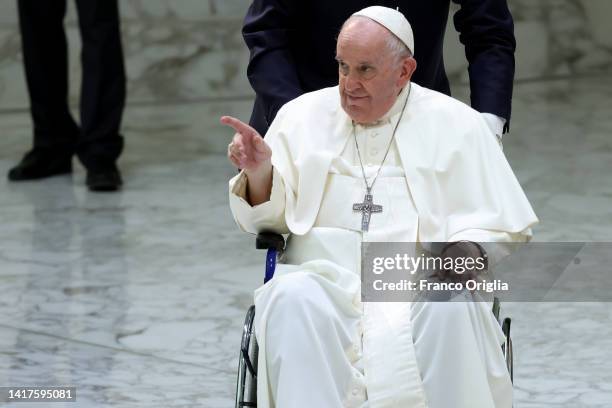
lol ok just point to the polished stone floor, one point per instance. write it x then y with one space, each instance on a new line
137 298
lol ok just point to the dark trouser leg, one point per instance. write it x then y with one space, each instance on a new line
45 59
103 87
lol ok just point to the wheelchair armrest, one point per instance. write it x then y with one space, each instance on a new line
267 240
506 326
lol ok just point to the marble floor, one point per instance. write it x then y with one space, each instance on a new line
137 298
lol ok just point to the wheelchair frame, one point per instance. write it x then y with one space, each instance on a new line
246 383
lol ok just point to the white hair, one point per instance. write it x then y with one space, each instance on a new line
397 48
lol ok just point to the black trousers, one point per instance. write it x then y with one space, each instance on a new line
97 141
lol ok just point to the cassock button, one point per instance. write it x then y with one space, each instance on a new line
374 135
374 152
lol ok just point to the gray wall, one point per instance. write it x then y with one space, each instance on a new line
191 50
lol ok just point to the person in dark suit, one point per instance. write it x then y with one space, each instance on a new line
57 137
293 44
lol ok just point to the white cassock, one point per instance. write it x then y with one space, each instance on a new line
444 179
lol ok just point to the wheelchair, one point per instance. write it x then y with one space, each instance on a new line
246 384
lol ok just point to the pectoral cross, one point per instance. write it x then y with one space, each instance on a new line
367 208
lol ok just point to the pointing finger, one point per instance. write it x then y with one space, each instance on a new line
238 125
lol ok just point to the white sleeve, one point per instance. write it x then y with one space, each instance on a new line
268 216
497 244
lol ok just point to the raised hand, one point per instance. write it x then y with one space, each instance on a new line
247 150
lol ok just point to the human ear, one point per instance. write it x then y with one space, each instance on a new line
409 65
406 70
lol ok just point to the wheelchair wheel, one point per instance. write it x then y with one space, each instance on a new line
246 383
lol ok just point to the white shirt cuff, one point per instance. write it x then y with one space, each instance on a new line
495 123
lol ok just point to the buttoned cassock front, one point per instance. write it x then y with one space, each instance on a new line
445 179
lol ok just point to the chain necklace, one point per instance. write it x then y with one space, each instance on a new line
367 207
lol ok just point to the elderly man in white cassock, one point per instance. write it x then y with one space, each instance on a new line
439 175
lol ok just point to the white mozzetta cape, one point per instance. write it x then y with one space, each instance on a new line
458 176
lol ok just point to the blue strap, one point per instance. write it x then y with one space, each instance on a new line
270 264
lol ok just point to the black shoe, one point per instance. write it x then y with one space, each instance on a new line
108 179
41 163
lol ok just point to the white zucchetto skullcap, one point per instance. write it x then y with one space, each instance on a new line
393 21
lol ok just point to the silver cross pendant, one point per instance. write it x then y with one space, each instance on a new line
367 207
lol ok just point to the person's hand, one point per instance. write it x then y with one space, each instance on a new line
248 150
463 250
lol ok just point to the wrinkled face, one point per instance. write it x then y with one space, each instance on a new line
371 77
